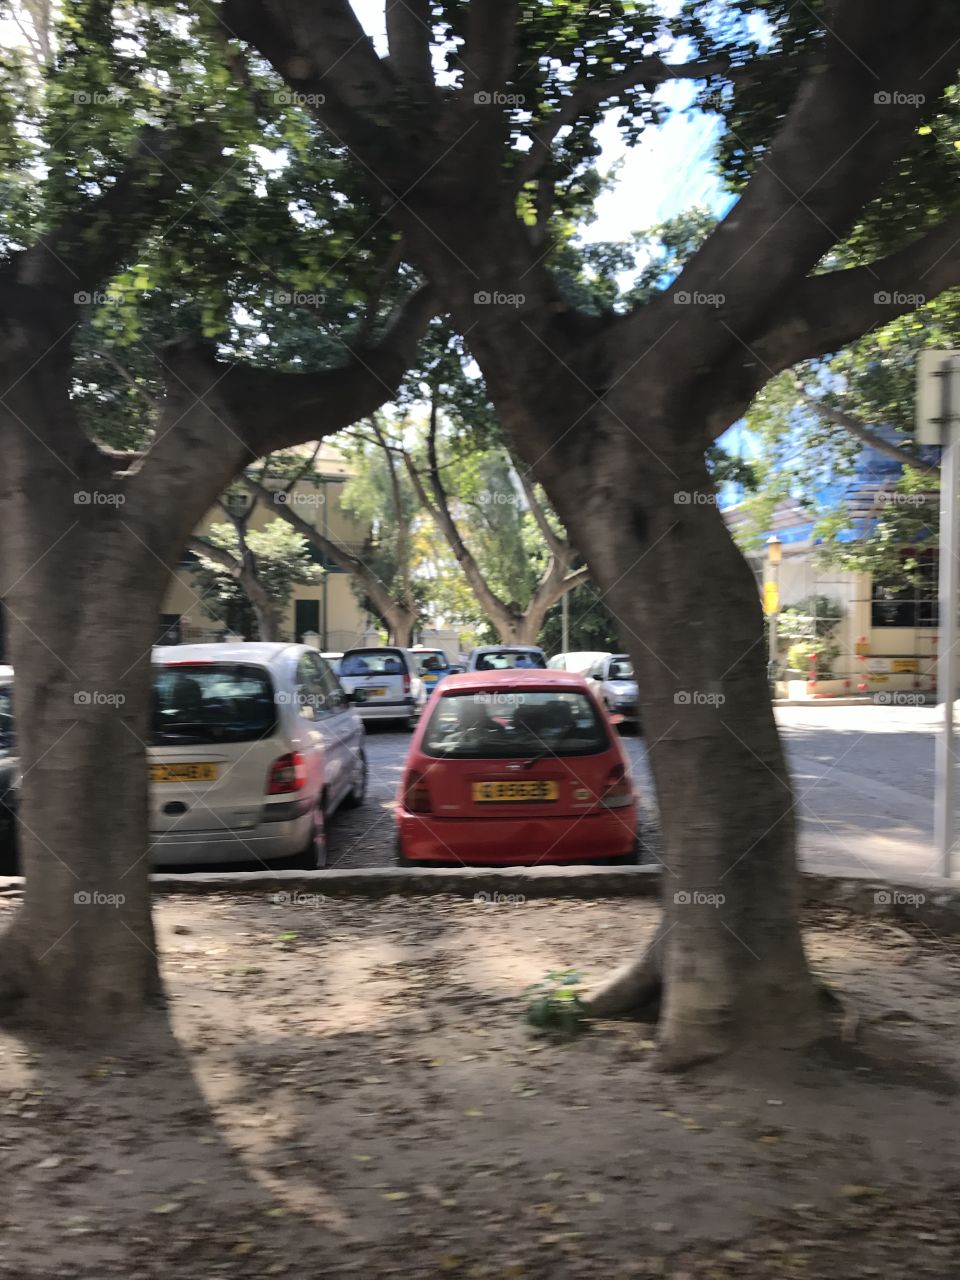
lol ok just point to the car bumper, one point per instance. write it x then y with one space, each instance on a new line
507 842
266 842
385 710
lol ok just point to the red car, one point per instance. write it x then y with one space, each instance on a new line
515 768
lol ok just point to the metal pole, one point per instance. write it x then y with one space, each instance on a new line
565 622
772 627
947 638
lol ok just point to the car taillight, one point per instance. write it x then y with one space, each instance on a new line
416 794
617 791
287 774
406 684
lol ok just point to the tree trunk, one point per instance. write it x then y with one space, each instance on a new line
81 951
400 627
729 959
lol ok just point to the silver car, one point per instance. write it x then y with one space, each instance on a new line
613 681
383 683
253 747
507 657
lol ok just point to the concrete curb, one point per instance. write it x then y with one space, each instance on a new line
932 902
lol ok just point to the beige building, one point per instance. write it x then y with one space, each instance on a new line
328 607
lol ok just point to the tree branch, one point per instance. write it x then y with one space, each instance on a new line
409 32
244 572
559 548
826 312
904 455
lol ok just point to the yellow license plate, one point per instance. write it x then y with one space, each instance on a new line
376 692
487 792
183 772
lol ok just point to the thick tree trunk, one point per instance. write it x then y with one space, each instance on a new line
82 618
400 627
729 958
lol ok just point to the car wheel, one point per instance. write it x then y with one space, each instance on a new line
314 854
357 793
399 857
412 720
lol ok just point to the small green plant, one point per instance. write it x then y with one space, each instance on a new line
827 651
555 1006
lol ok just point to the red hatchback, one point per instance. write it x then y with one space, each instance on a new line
514 768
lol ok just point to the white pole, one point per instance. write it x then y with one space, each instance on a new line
947 630
565 622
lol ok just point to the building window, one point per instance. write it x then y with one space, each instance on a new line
306 617
903 601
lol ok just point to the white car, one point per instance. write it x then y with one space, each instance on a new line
384 684
580 662
506 657
614 683
253 748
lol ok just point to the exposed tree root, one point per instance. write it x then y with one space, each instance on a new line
633 991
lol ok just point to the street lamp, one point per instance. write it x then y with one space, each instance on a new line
771 599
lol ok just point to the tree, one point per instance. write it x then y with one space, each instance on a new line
613 411
247 576
90 533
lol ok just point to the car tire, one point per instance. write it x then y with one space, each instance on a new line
399 857
412 720
314 854
358 792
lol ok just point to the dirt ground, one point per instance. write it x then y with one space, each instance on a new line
350 1091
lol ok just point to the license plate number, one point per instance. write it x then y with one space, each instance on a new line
487 792
376 692
194 772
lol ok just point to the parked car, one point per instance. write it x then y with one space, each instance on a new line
514 769
383 683
581 661
253 748
9 776
333 658
432 665
506 657
613 682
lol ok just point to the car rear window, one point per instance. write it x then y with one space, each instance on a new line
372 662
482 725
436 660
212 702
508 659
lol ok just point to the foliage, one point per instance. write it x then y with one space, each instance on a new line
826 652
556 1007
591 624
812 618
282 557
